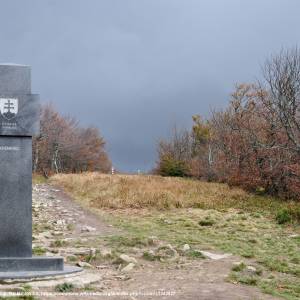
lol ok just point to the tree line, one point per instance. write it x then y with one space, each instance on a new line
253 143
63 146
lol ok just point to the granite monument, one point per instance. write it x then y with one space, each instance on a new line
19 121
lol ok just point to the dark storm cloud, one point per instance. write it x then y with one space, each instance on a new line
135 68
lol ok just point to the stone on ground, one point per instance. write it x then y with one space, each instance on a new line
87 228
128 268
128 259
84 264
186 247
214 256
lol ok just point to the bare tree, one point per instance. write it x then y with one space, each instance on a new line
282 75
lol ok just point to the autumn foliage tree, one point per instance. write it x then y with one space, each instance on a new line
255 141
64 146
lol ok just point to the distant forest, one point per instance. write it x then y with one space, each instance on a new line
64 146
253 143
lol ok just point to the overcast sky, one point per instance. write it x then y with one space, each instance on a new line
134 68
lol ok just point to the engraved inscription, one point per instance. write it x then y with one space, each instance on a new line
9 148
9 125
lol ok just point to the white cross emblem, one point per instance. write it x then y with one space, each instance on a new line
9 107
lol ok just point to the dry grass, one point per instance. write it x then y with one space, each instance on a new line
133 191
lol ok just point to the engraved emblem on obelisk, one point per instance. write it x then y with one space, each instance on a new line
9 107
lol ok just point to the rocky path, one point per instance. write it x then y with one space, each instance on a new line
62 227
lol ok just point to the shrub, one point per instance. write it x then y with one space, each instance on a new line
172 167
283 216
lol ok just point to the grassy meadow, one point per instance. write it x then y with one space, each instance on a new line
260 230
166 193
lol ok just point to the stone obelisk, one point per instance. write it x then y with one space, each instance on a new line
19 121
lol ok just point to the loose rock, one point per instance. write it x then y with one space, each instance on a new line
186 247
250 270
214 256
87 229
128 268
127 259
294 235
93 252
166 252
60 222
84 264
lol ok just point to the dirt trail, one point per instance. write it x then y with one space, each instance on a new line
57 217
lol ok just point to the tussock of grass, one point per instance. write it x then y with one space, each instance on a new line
38 251
245 279
283 216
238 268
132 191
58 243
64 287
194 254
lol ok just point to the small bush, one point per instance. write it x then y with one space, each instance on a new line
283 216
173 167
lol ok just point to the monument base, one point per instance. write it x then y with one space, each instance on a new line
38 274
34 267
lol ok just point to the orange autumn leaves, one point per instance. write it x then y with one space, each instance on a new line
65 147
